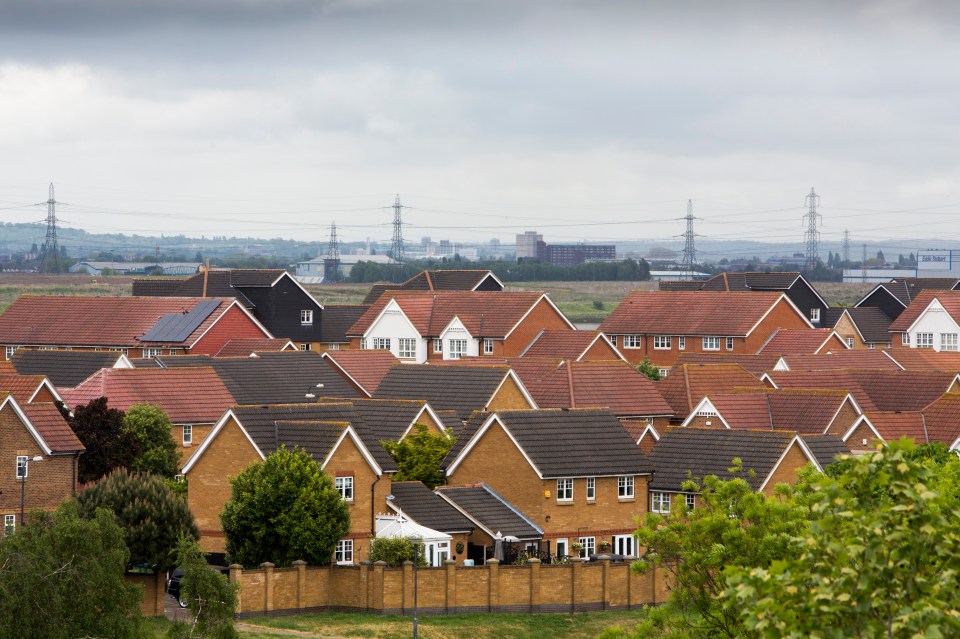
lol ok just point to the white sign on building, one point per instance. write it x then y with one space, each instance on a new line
938 263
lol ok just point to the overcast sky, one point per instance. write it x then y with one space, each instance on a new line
589 120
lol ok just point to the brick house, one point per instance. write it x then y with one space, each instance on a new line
421 326
861 327
575 474
134 326
574 346
938 421
660 325
27 432
689 383
895 296
931 321
804 341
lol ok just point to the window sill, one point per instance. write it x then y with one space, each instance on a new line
591 502
565 503
623 500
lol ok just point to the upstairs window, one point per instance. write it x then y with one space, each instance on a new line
187 434
381 343
660 503
924 340
814 314
344 487
681 343
729 343
21 466
150 353
591 488
631 341
625 487
488 346
306 318
565 490
407 348
437 345
711 343
662 342
458 348
948 342
850 342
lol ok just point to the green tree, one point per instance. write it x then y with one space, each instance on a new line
733 526
211 597
62 577
881 559
283 509
152 517
419 454
649 369
151 428
396 550
109 445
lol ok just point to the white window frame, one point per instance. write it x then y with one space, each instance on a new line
344 486
814 314
10 351
589 546
632 341
9 525
711 343
591 490
729 343
407 347
363 343
924 340
306 317
487 346
625 487
613 339
343 555
23 467
681 343
150 353
563 541
691 500
948 342
565 489
625 545
437 345
187 434
663 372
662 342
905 339
170 351
850 342
381 343
660 502
304 347
457 348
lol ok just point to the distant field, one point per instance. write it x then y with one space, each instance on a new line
578 300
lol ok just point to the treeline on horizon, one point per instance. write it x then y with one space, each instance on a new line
627 270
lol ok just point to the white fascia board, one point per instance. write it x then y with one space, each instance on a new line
10 401
352 434
429 411
300 286
208 440
45 383
334 361
263 328
392 305
704 404
494 418
783 296
863 419
806 451
530 310
601 335
523 389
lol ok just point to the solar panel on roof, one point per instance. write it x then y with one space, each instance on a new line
176 327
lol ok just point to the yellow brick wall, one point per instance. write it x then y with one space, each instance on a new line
509 397
786 472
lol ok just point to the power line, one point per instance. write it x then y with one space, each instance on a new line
812 236
50 254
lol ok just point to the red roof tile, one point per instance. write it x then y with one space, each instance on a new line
950 300
893 425
925 359
74 320
690 313
942 419
688 384
187 395
22 387
802 410
242 347
366 368
53 428
842 359
568 345
874 390
756 364
483 313
802 341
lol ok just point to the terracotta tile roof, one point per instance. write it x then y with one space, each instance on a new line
483 313
802 341
460 388
336 320
565 443
825 448
242 347
187 395
491 511
686 385
925 359
271 378
950 300
874 390
22 387
53 428
436 280
615 385
805 411
842 359
367 367
893 425
568 345
427 508
689 313
62 368
942 419
684 453
756 364
75 320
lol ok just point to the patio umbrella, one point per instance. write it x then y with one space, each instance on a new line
498 547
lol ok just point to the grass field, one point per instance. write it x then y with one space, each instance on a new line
503 626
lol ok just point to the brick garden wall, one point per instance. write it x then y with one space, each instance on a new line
574 587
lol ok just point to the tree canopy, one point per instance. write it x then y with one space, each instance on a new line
283 509
109 444
211 597
152 429
418 455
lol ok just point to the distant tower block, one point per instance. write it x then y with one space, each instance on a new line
396 250
331 263
50 261
812 235
689 250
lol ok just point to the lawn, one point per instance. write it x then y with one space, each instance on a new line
499 626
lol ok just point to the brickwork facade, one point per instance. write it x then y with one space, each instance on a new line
509 397
787 472
234 324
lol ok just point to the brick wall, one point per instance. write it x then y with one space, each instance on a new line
786 472
154 592
234 324
533 588
542 316
509 397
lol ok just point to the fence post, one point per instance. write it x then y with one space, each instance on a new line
378 586
363 604
301 567
407 602
605 582
576 565
535 585
236 574
451 571
493 597
267 587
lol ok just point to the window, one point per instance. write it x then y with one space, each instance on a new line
625 487
21 466
661 342
345 487
458 348
407 348
814 314
150 353
904 339
681 343
631 341
174 351
850 342
625 545
306 318
437 345
591 488
304 347
562 547
9 525
663 372
948 342
381 343
691 500
488 346
589 546
613 340
729 343
10 351
344 553
924 340
187 434
363 343
661 502
711 343
564 490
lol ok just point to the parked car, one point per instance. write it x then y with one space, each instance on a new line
173 583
